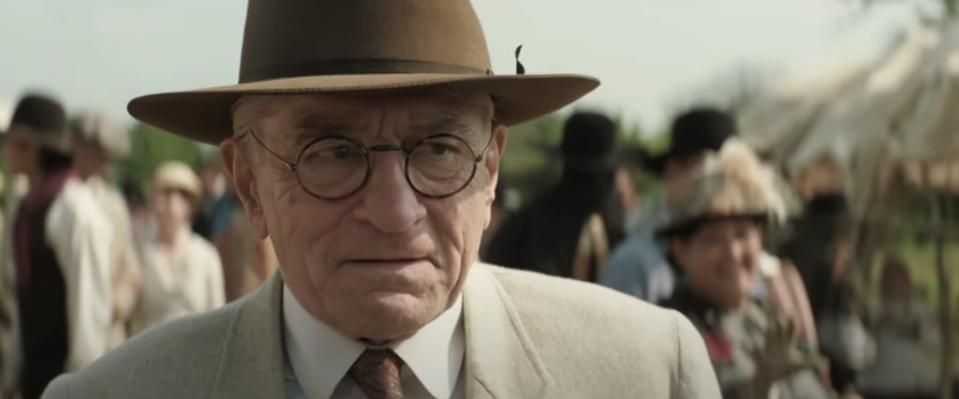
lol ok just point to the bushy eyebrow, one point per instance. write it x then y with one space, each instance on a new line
313 125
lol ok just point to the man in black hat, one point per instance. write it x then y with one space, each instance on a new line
556 233
638 266
58 249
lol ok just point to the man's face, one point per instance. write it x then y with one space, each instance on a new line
18 152
90 159
720 260
679 168
383 262
172 208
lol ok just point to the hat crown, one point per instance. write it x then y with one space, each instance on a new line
96 128
177 175
589 139
291 38
41 114
732 182
700 130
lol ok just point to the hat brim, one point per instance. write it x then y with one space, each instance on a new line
672 229
204 115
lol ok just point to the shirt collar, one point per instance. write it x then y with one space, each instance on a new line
320 356
435 353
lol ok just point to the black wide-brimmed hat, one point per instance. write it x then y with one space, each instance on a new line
41 119
589 139
692 133
359 46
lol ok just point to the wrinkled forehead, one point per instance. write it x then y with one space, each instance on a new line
427 107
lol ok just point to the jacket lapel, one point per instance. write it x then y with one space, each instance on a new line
501 361
252 365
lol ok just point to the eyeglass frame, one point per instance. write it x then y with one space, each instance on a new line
365 150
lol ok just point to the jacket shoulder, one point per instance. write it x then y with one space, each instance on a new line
576 300
168 360
592 336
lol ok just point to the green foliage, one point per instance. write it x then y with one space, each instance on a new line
531 161
150 147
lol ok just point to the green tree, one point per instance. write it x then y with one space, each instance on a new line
151 146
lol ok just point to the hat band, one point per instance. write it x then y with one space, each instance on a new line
356 67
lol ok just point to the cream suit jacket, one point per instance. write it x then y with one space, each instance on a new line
527 336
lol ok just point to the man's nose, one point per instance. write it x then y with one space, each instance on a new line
388 202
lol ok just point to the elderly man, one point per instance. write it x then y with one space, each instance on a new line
365 139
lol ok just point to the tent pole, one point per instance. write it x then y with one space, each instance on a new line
941 219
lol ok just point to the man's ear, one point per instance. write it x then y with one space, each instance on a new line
239 169
492 160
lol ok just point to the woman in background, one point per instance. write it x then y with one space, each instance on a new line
714 239
909 348
182 274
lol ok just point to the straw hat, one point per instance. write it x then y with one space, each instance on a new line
96 128
325 46
732 183
177 175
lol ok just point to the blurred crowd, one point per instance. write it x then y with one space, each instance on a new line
761 266
84 266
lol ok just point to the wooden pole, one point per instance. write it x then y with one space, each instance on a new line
941 212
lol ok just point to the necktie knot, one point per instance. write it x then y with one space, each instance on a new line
377 373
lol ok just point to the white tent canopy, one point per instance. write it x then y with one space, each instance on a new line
902 108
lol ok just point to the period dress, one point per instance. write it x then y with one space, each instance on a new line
178 284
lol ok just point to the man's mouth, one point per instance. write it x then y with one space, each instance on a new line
386 262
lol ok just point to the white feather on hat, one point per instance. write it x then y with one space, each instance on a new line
729 183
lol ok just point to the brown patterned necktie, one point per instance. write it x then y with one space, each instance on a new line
377 373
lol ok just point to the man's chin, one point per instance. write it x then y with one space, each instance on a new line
392 316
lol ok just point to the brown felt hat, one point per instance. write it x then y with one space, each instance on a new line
337 46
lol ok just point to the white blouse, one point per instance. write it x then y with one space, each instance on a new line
176 285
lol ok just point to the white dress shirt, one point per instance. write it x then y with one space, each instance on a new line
319 357
125 269
80 235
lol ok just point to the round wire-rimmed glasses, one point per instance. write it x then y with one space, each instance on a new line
333 167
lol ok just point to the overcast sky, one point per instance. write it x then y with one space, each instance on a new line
649 54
